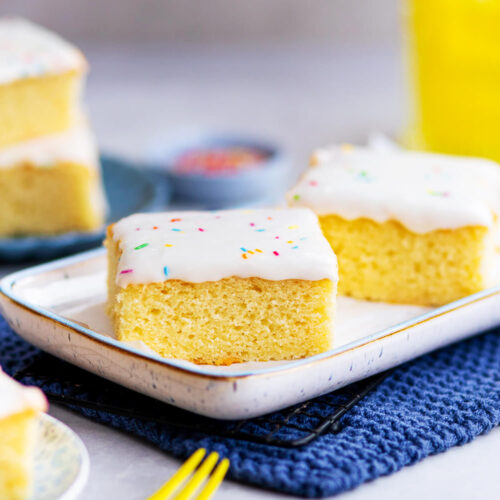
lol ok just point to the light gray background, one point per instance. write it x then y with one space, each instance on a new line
302 72
358 22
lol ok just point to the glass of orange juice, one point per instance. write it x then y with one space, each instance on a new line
453 56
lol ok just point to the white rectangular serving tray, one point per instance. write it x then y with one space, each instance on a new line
59 307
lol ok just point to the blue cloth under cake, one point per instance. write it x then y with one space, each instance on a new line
424 407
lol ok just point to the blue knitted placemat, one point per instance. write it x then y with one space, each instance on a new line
440 400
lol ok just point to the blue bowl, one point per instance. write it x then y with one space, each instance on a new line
263 182
128 190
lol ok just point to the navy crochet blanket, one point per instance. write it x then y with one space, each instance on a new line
424 407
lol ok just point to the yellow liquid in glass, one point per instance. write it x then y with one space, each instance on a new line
454 63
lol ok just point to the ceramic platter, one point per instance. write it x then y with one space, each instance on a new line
61 462
59 307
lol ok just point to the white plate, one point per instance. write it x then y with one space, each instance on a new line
59 307
61 462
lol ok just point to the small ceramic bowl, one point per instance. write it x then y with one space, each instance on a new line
220 170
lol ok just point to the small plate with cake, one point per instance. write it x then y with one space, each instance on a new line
128 189
61 462
40 458
56 194
235 313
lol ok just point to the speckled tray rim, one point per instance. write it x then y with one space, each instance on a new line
7 289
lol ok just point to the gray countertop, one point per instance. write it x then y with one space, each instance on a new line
125 467
301 97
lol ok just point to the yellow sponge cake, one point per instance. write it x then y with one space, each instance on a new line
223 287
19 409
40 79
51 184
406 227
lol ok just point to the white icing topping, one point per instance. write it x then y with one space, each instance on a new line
28 51
76 145
16 398
423 191
272 244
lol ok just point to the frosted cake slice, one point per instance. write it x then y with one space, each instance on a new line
223 287
406 227
19 409
51 184
40 80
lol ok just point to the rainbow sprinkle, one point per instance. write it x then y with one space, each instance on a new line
144 245
201 230
364 176
126 271
176 229
165 271
443 194
168 245
275 253
296 197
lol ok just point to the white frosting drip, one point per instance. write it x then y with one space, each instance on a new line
76 145
28 51
423 191
196 247
16 398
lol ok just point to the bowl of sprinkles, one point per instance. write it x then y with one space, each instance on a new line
218 160
221 170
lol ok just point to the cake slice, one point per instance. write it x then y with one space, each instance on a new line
51 184
19 409
40 80
223 287
406 227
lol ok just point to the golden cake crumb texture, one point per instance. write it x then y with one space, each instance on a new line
387 262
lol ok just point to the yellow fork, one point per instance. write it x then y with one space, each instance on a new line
202 473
